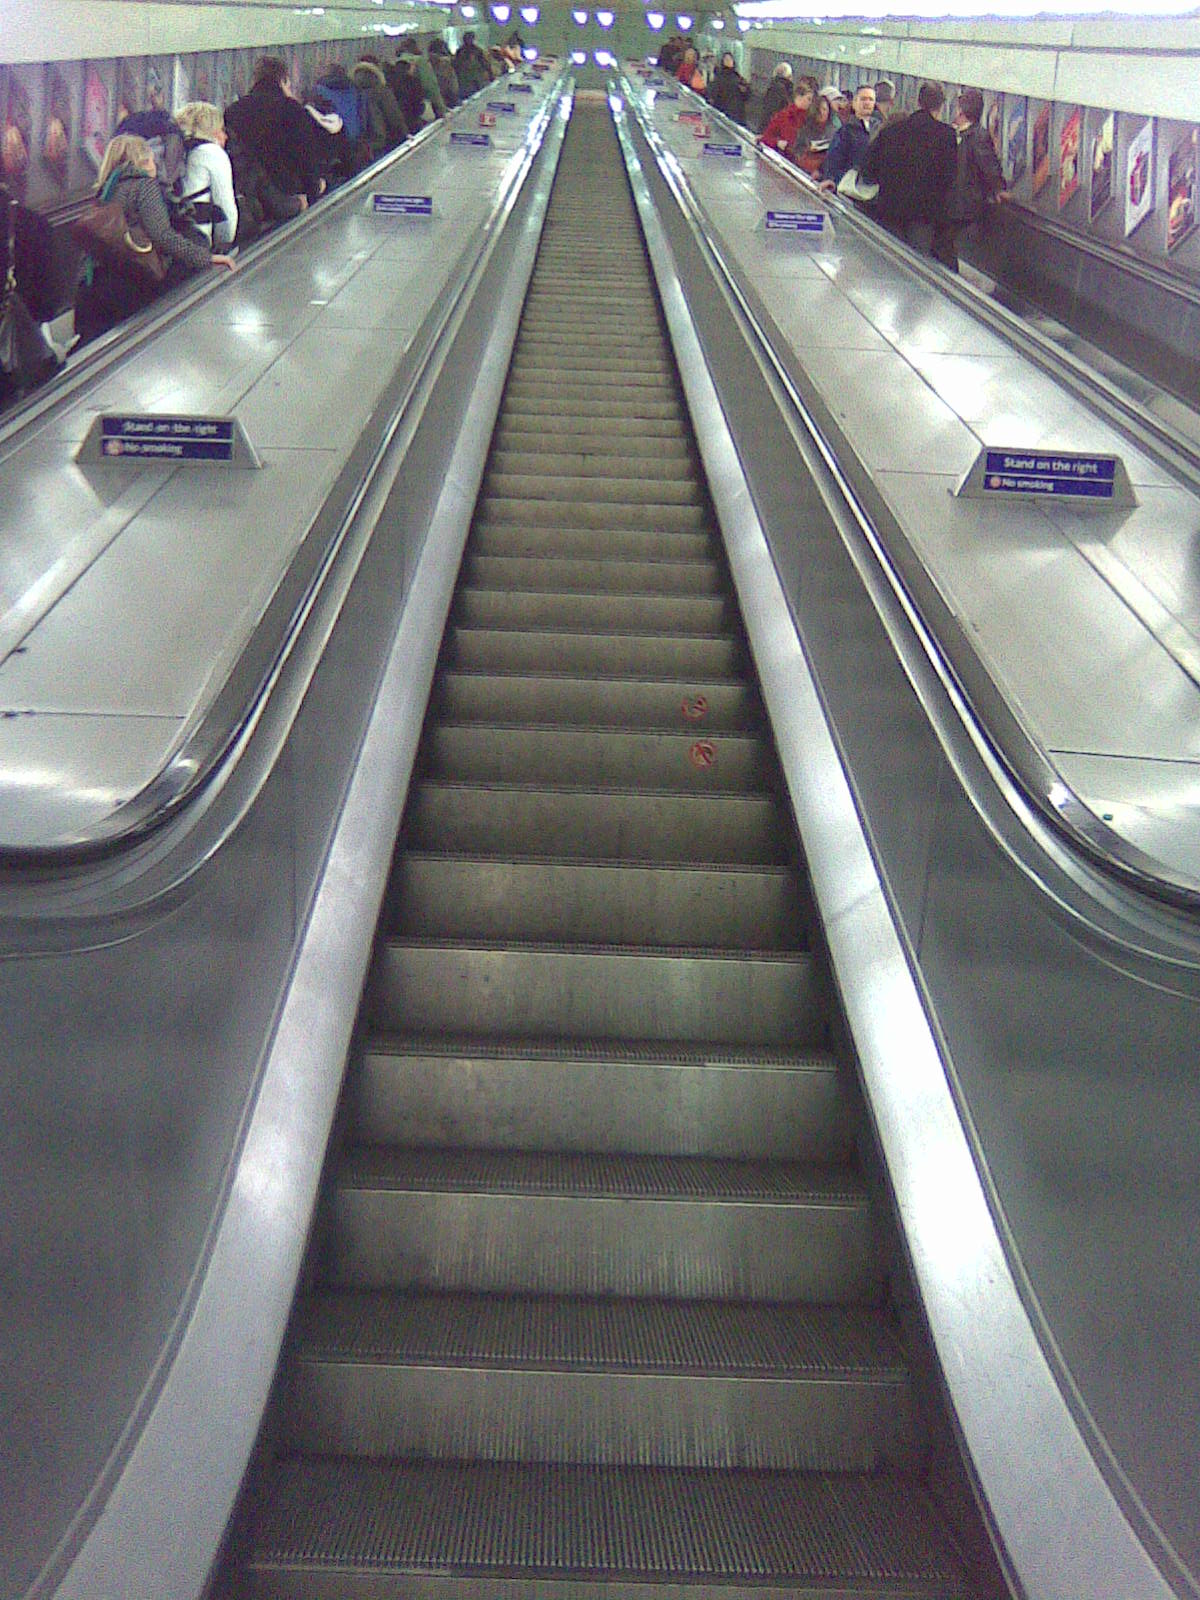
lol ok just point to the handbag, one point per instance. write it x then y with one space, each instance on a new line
104 232
26 358
852 187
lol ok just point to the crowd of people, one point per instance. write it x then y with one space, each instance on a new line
925 178
187 191
181 194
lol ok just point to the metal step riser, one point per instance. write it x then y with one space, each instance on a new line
558 338
534 992
642 433
574 903
296 1581
598 442
630 392
589 465
683 660
743 829
560 1244
599 489
599 758
599 1418
546 513
596 703
546 406
611 1106
594 613
584 575
530 361
629 544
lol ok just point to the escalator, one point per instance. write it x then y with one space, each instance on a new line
600 1293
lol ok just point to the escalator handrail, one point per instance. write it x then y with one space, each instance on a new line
214 730
992 721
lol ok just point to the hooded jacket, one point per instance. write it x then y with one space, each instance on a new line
386 124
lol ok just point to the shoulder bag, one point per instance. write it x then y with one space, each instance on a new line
104 232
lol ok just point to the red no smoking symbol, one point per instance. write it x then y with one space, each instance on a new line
703 754
694 710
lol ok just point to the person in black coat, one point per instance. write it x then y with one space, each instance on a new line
778 94
915 162
728 90
274 144
979 178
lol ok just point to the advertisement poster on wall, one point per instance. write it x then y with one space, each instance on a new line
1070 142
17 139
1181 191
56 124
1016 139
129 90
993 121
1104 146
95 116
1040 158
1139 178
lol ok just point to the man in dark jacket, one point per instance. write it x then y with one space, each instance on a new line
979 178
849 145
728 90
470 67
914 162
273 145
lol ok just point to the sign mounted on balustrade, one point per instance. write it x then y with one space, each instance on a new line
1082 479
402 205
723 152
520 88
502 108
168 440
795 222
472 141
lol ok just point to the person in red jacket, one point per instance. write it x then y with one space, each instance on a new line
784 128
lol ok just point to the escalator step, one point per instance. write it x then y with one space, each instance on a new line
656 1226
625 823
359 1529
600 1382
625 1098
441 896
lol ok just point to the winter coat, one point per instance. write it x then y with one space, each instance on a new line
208 178
914 162
728 92
386 121
447 79
786 130
277 132
471 70
779 94
847 148
978 178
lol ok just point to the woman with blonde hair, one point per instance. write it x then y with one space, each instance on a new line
209 200
109 294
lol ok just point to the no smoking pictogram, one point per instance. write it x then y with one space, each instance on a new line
703 754
694 710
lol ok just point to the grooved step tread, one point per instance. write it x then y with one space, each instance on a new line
849 1534
732 1338
683 1179
644 1052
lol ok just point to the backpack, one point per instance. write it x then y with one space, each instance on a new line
165 138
